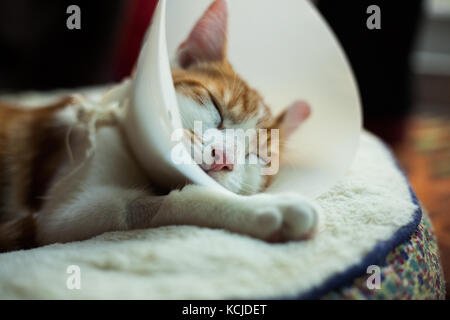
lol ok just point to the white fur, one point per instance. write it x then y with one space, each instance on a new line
110 192
245 178
186 262
98 199
191 111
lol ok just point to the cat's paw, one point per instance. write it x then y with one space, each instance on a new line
286 218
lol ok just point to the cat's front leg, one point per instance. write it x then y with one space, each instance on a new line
264 216
94 211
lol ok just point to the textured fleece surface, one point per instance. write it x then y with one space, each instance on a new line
364 211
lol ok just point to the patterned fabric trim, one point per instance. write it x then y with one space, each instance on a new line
412 271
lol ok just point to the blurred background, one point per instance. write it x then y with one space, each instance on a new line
403 71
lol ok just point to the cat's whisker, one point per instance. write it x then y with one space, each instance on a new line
241 185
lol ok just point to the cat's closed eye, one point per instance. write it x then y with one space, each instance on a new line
217 105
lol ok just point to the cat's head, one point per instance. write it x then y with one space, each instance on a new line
211 93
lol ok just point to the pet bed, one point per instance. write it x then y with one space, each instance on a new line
371 217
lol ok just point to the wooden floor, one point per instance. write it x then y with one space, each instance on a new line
425 156
424 153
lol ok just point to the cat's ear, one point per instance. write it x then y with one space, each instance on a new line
291 118
208 40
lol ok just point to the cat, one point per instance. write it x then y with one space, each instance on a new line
40 203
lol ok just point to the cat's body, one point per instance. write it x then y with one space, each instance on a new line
46 198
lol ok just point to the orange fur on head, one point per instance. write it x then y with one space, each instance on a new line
205 75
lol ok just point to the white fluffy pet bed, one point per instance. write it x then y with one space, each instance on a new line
365 215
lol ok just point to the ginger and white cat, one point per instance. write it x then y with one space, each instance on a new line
40 203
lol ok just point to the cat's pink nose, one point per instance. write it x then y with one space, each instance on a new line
220 161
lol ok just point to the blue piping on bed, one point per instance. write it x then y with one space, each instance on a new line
376 257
